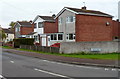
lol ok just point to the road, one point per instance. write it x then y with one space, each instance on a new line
22 66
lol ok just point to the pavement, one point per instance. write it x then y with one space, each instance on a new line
70 60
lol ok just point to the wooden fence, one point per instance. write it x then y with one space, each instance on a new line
40 48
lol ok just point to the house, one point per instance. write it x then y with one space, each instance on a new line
44 27
22 29
9 35
0 34
116 32
79 25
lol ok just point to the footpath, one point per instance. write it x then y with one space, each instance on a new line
69 60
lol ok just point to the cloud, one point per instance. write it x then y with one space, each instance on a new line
14 10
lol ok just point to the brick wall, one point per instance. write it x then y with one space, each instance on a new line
26 30
50 27
93 28
115 28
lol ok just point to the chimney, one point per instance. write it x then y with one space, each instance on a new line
53 15
84 8
30 21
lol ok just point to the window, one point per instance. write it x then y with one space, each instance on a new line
7 40
60 36
40 25
35 25
70 36
36 38
7 35
17 29
53 37
60 20
70 19
10 39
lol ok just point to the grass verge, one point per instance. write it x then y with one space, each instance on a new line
106 56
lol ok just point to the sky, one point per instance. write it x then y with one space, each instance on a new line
19 10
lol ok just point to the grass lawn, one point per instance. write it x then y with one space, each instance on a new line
108 56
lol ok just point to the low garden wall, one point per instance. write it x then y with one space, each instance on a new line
97 47
40 48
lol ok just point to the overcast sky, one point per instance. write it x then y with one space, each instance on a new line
18 10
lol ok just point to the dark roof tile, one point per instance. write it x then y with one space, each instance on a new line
7 31
47 18
87 11
25 24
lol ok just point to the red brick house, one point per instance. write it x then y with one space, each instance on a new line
22 29
116 30
79 25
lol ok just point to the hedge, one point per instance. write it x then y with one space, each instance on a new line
23 41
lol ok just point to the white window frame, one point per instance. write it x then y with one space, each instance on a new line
36 38
53 37
60 20
40 25
68 36
68 19
56 37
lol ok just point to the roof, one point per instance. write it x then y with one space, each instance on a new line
32 33
84 11
45 18
7 31
25 24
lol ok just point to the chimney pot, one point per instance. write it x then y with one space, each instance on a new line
84 7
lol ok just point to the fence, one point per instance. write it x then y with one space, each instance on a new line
40 48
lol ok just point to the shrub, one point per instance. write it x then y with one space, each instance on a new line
23 41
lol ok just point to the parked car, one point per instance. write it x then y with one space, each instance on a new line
55 45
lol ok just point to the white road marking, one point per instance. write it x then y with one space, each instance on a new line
71 65
88 67
1 76
114 69
12 61
51 73
106 69
45 60
65 64
118 69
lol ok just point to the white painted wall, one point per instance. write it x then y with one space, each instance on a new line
39 30
43 38
9 37
66 27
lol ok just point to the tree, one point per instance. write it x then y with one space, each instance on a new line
2 35
12 25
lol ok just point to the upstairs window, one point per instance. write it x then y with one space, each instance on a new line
70 19
17 29
35 25
60 20
40 25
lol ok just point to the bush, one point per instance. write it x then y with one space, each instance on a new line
23 41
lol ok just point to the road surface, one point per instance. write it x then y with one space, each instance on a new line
22 66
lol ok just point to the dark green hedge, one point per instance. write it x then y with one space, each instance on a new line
23 41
